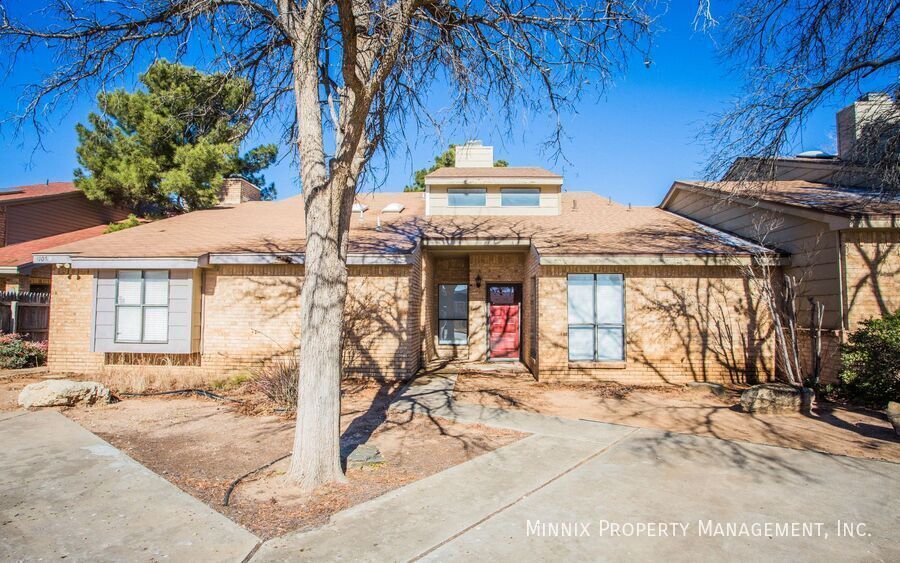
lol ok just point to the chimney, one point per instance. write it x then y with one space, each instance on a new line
237 190
853 120
474 155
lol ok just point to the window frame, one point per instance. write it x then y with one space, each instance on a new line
526 190
595 325
442 342
142 306
482 191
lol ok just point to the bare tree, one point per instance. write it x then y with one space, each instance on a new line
342 77
794 56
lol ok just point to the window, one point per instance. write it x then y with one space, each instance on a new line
520 197
142 306
453 314
596 317
466 197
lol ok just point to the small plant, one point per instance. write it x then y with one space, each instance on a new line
870 373
278 381
231 382
17 353
131 221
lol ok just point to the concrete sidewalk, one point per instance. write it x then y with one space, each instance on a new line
593 479
64 492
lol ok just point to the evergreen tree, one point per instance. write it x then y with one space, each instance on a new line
168 146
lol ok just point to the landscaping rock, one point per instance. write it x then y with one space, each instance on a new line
62 393
776 398
703 388
893 414
364 455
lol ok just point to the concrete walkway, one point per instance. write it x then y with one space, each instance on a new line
578 490
65 493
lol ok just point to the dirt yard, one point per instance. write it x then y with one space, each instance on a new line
830 428
202 445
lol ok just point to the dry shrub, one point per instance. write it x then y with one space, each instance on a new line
278 381
137 378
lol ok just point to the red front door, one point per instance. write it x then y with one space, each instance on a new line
504 314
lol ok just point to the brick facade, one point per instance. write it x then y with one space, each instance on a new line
872 273
681 324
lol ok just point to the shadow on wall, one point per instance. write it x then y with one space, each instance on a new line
715 330
877 260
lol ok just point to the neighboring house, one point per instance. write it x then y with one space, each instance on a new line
842 237
488 264
34 218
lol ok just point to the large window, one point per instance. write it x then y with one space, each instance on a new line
596 317
142 306
466 197
520 197
453 314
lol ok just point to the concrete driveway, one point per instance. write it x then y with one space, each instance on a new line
65 493
574 490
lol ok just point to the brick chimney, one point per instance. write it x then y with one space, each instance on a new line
853 119
474 155
237 190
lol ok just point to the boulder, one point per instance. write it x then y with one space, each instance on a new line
62 393
776 398
364 455
704 388
893 414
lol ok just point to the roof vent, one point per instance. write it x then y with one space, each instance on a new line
393 208
359 207
814 154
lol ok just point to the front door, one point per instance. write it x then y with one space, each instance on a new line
504 317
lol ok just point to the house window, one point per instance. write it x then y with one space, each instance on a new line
596 317
466 197
453 314
520 197
142 306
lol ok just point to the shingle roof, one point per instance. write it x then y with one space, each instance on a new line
34 191
492 172
20 254
588 224
826 198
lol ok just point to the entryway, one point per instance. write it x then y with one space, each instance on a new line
504 321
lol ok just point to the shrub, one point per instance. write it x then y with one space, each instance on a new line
278 381
870 373
16 353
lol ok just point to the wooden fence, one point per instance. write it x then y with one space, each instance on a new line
26 313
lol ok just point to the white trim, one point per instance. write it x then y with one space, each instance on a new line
646 260
51 258
299 258
477 242
494 181
9 270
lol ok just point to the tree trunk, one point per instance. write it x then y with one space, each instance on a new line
316 454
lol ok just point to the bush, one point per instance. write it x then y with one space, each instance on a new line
278 381
870 373
16 353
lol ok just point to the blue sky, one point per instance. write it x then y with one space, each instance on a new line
629 144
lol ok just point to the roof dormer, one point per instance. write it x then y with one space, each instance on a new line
474 186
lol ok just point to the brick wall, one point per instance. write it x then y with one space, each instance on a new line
71 295
681 323
250 315
872 274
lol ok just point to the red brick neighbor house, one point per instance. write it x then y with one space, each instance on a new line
40 216
488 264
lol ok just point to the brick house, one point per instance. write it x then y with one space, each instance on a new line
841 239
37 217
488 264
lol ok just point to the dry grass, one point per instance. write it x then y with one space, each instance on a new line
140 379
